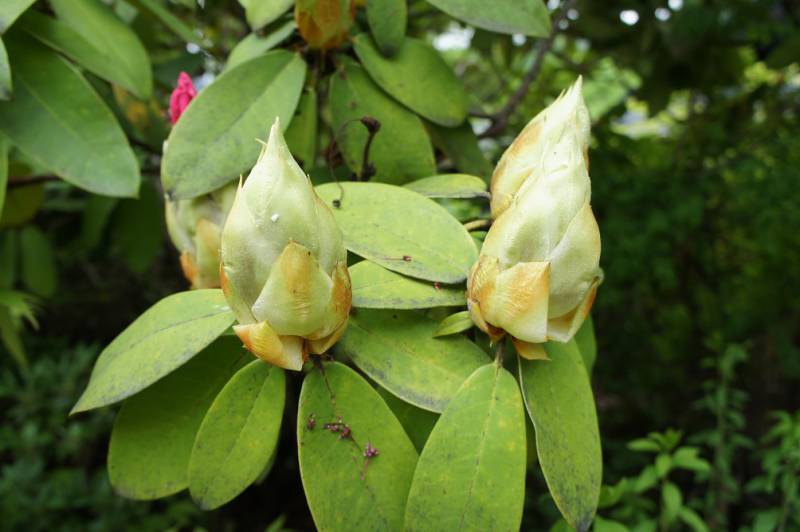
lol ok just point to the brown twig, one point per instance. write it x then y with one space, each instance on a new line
500 119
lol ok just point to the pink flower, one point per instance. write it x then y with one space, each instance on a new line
181 96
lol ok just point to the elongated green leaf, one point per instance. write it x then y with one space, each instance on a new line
587 344
501 16
238 435
4 146
10 10
376 287
471 474
62 38
453 324
259 13
151 443
345 489
98 25
418 423
397 349
6 86
84 143
254 44
402 231
10 337
418 77
301 136
162 339
460 144
36 262
450 186
176 25
387 23
559 399
400 151
214 141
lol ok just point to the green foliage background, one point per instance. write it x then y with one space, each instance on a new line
694 166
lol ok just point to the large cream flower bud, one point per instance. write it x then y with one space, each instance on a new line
284 264
195 226
538 269
522 160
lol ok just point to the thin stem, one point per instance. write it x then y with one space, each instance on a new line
501 118
14 182
477 224
498 353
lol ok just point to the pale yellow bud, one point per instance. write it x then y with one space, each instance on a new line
284 264
522 160
194 226
538 269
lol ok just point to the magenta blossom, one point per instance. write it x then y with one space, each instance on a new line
181 96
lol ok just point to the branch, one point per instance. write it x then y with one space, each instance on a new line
367 168
14 182
500 119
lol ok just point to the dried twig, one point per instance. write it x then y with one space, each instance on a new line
500 119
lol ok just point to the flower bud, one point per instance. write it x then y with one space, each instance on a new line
284 264
181 97
521 161
195 226
538 269
324 24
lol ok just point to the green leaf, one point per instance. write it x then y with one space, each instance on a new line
694 521
162 339
238 435
153 435
84 143
345 490
400 151
418 77
255 44
175 24
37 265
10 337
643 445
646 479
501 16
471 474
672 500
6 86
61 37
559 399
387 23
587 344
99 26
376 287
611 495
259 13
450 186
21 204
10 10
460 144
397 349
453 324
214 141
4 147
686 458
137 229
301 135
663 464
401 230
418 423
607 525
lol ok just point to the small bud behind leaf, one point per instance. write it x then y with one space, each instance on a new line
324 24
195 226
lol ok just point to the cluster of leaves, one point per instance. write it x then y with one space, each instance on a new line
53 475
